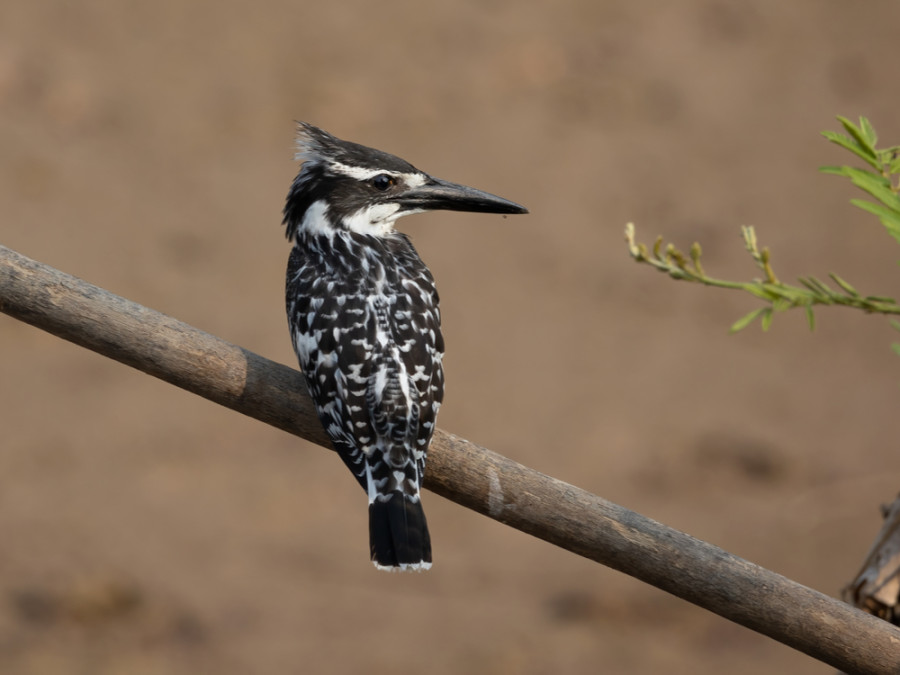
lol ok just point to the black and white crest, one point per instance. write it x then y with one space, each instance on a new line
339 177
365 323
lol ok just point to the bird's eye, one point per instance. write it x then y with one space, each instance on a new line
382 181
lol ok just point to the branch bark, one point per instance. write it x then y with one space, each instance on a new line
463 472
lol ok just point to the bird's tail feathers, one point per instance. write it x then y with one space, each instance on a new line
398 534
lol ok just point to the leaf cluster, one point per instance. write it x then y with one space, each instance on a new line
882 184
861 140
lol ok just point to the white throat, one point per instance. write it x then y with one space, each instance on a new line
377 220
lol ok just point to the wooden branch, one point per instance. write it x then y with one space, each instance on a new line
876 589
474 477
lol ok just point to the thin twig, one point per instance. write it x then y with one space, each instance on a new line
479 479
780 296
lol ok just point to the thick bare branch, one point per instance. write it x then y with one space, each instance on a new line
479 479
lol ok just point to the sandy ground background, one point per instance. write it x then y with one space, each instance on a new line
147 147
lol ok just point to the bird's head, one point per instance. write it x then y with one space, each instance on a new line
346 186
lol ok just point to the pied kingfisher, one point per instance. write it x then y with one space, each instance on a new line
364 319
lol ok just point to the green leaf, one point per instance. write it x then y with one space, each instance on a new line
894 155
786 297
878 209
894 323
848 144
761 290
877 186
868 131
869 177
858 134
816 286
848 289
766 320
890 218
811 318
746 320
847 124
896 348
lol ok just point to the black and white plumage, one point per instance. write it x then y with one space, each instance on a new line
365 323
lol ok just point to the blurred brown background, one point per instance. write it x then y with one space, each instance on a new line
147 147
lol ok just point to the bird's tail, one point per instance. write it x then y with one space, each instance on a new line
398 533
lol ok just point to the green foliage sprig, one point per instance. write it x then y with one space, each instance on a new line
884 186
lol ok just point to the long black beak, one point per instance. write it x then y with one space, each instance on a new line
441 194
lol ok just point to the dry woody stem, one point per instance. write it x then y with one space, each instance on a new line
463 472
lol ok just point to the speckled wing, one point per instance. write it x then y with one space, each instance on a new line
373 365
371 352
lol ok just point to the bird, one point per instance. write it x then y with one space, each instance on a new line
365 323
